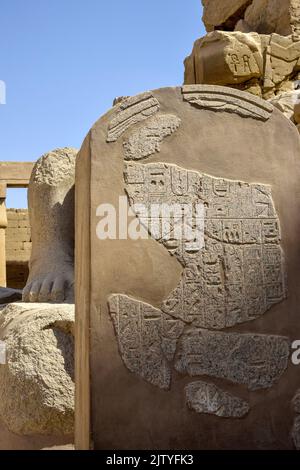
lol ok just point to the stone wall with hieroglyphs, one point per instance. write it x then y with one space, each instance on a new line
235 278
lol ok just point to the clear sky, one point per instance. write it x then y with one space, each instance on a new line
64 61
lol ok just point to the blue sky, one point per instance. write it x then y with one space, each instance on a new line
64 61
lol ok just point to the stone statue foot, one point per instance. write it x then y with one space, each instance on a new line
55 286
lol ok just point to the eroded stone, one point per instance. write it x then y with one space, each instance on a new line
131 111
264 65
239 273
228 100
147 338
207 398
296 433
257 361
217 14
146 141
37 380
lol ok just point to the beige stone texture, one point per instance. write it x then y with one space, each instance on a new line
2 190
51 211
37 380
288 104
15 174
264 65
261 16
18 247
3 225
226 58
161 312
274 16
218 13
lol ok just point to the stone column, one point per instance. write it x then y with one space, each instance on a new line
3 225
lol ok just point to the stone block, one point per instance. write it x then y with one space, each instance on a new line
159 311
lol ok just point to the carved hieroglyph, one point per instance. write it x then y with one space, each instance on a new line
206 398
227 99
256 361
150 342
147 338
239 273
131 111
264 65
234 278
146 141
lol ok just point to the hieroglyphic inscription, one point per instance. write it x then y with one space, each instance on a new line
147 338
219 98
131 111
207 398
257 361
235 277
240 64
239 274
146 141
150 342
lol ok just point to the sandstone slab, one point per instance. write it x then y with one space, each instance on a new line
153 306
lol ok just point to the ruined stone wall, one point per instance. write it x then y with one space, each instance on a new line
18 247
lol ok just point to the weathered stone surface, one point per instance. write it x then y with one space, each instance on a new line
16 174
9 295
239 274
147 338
288 104
274 16
17 247
207 398
217 14
296 402
147 140
130 112
221 160
262 16
226 58
224 99
51 210
257 361
3 225
37 381
264 65
296 433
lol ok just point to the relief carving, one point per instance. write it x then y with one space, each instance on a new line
206 398
236 277
239 273
228 100
147 338
146 141
256 361
132 111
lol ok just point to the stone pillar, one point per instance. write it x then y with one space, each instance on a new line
3 225
159 344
